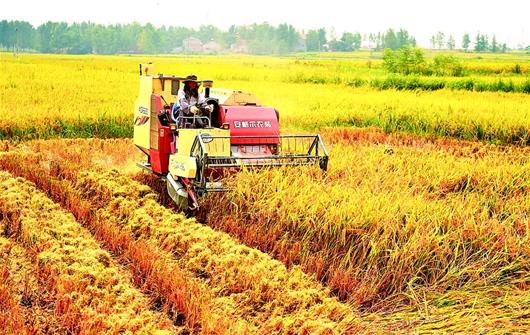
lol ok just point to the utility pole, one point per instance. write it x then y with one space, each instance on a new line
15 45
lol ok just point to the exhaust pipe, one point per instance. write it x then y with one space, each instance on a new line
207 85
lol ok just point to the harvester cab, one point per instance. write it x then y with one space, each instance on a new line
239 132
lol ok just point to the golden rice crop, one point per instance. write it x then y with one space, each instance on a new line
71 96
421 239
412 233
90 295
407 222
387 219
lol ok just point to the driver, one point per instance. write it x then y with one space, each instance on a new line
189 100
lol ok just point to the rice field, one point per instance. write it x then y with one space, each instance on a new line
421 224
86 96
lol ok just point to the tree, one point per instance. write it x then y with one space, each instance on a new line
466 41
312 41
208 33
79 36
332 34
44 36
485 42
176 35
481 43
372 41
440 39
322 37
337 45
391 41
403 38
451 42
356 41
494 46
148 41
230 37
348 42
380 41
17 35
446 65
433 41
86 37
287 38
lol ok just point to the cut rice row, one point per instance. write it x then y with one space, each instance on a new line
243 283
87 291
20 311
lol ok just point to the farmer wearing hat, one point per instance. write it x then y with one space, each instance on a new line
189 100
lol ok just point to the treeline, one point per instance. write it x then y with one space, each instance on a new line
87 37
482 43
91 38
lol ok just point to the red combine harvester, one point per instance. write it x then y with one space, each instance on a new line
235 131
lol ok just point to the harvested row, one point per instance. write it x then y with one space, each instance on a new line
26 293
184 297
433 169
436 169
89 294
242 284
15 284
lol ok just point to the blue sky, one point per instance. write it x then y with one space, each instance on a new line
509 20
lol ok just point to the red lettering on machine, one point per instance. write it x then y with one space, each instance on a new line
252 124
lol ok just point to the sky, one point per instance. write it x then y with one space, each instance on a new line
509 20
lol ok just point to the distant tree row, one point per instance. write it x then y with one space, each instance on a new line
391 40
482 43
87 37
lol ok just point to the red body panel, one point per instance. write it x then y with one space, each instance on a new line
251 121
160 150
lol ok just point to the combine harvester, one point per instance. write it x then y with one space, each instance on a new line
238 132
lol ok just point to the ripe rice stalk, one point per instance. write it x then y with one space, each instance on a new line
411 215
